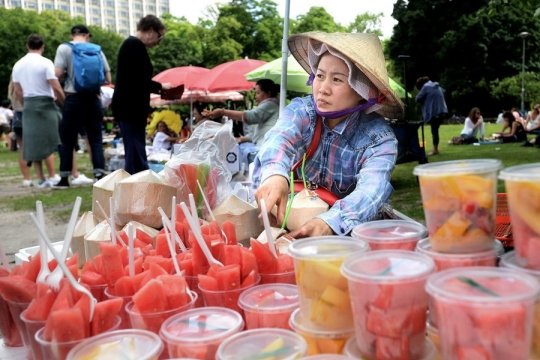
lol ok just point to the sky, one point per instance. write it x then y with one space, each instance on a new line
342 10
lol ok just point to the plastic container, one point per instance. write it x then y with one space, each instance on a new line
319 340
8 331
31 327
445 261
390 234
225 298
98 291
389 302
127 344
459 199
328 357
510 260
126 322
351 350
16 309
282 278
324 293
481 310
193 284
152 321
523 193
275 344
433 335
269 306
198 332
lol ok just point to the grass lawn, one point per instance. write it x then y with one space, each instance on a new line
406 197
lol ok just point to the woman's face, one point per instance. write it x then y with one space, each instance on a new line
161 127
260 95
331 89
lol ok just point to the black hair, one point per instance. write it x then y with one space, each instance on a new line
269 87
421 81
150 22
35 42
5 103
510 116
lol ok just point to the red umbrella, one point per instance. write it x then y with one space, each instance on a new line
186 75
228 76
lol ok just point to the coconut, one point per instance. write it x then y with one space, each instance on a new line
242 214
276 233
306 205
103 190
84 225
138 197
101 233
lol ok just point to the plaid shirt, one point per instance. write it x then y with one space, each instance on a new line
354 160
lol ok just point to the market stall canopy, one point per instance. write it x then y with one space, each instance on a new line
296 75
182 75
397 88
229 76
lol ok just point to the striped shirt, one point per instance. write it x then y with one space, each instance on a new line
354 160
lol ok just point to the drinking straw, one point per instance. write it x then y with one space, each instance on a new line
172 229
111 220
267 229
289 201
104 214
211 212
194 212
131 250
302 171
44 270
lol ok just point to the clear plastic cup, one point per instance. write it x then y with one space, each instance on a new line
433 335
352 350
225 298
282 278
390 234
324 293
152 321
198 332
98 291
269 306
264 343
523 193
328 357
484 311
16 309
31 327
319 339
127 344
445 261
459 199
511 261
126 322
193 283
8 330
389 302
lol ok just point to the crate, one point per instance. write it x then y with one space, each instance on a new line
503 227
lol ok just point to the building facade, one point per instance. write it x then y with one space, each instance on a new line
120 16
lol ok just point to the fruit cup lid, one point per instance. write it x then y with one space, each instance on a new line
270 298
424 247
528 172
300 325
263 343
326 247
352 350
389 230
510 260
456 167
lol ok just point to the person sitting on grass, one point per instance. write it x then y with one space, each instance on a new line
164 138
473 128
512 130
532 125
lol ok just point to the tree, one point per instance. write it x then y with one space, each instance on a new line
316 19
366 23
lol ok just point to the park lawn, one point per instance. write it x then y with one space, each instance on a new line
406 197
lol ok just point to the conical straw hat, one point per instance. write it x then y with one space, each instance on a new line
364 50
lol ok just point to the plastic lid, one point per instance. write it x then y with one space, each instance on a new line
201 325
483 285
511 260
327 357
387 266
326 247
389 230
299 325
264 343
129 344
528 172
457 167
424 247
270 298
351 349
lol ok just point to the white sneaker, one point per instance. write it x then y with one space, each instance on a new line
55 179
27 183
81 180
43 184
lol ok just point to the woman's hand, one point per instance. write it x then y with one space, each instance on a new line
314 227
274 191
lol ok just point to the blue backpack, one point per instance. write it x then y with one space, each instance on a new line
88 68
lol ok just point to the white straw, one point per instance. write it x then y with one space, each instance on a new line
167 223
111 220
131 250
71 227
211 212
267 229
44 269
171 250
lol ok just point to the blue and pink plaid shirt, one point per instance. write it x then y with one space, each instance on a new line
354 160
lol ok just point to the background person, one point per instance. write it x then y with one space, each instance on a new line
512 130
16 126
473 128
434 109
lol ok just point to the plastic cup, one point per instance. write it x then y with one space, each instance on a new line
390 234
523 193
264 343
225 298
459 199
31 327
486 312
193 283
324 293
281 278
510 260
433 335
352 350
198 332
319 340
389 302
127 344
328 357
152 321
98 291
445 261
10 334
126 322
16 309
269 306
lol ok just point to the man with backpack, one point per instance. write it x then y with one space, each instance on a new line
84 68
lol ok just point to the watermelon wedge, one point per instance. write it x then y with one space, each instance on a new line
17 288
106 315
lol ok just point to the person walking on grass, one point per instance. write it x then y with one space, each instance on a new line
434 109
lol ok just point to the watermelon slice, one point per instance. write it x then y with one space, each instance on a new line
17 288
30 269
105 315
39 308
266 261
113 268
65 325
229 228
208 282
124 286
150 299
174 290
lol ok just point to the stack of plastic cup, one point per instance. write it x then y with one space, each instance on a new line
510 260
523 193
264 343
198 332
128 344
389 302
390 234
484 312
269 306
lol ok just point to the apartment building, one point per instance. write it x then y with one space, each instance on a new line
120 16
